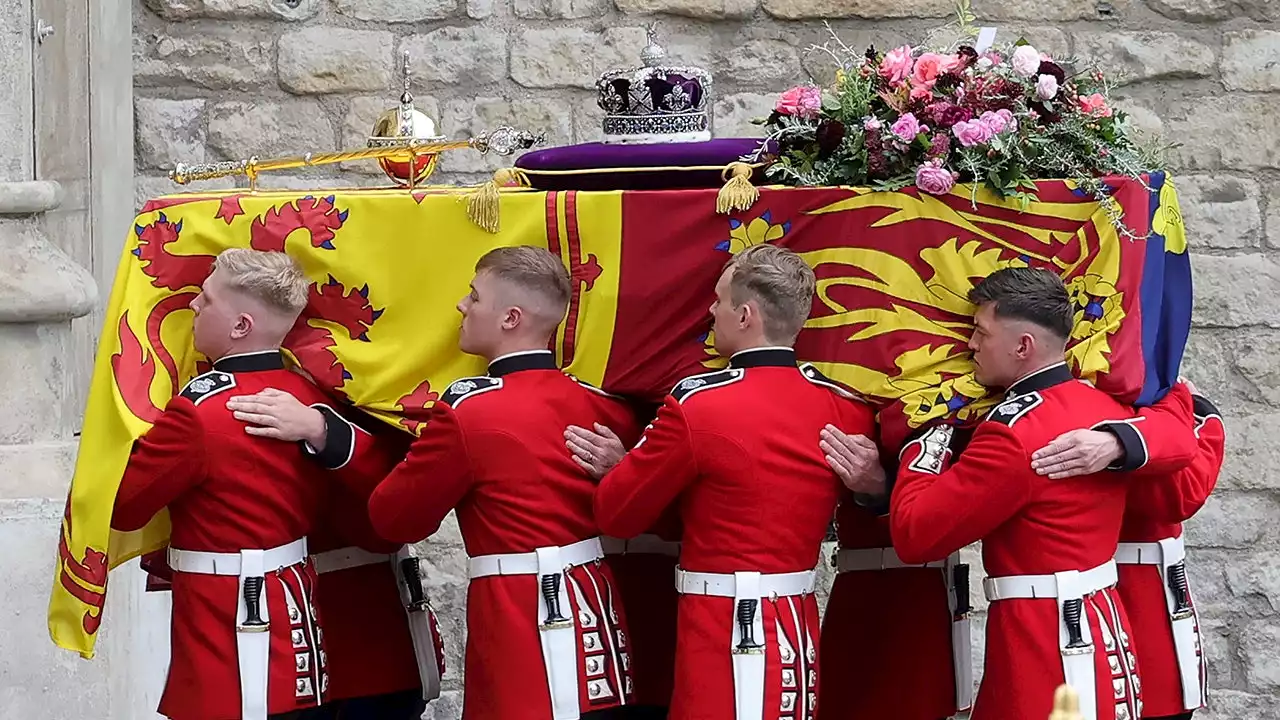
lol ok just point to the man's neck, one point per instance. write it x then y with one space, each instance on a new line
520 347
248 349
1033 367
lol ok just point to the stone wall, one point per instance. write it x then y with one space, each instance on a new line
223 79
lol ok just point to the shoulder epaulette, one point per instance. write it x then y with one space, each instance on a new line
815 376
469 387
687 387
593 388
207 385
1010 411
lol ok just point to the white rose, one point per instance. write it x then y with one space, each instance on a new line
1025 61
1047 87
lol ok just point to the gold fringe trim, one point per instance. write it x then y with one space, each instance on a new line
738 193
484 206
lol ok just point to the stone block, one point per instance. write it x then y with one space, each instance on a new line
1260 645
1253 456
701 9
733 114
868 9
1251 60
1238 705
559 9
398 11
1272 222
458 56
1142 118
572 57
37 354
1199 10
1215 135
15 104
1236 291
1054 11
212 59
1237 369
1236 520
1218 651
587 121
448 706
479 9
1220 211
1137 56
319 60
269 129
762 63
465 118
234 9
1255 576
168 132
1207 578
38 284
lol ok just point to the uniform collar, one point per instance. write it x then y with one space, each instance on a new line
250 362
525 360
764 357
1041 379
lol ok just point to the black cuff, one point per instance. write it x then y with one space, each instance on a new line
339 442
1133 449
1202 408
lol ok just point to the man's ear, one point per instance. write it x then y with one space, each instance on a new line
513 317
243 326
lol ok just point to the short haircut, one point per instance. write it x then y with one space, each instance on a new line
533 269
272 278
780 282
1022 293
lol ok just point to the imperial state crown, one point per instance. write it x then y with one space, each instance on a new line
656 103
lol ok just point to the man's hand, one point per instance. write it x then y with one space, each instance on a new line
278 415
1076 453
1190 385
855 459
596 452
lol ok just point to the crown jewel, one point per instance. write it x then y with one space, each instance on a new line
656 103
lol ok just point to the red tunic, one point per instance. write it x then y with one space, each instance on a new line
500 459
886 634
1030 525
366 630
737 452
1155 510
228 491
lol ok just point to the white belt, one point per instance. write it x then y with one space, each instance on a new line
640 545
210 563
346 558
579 553
856 559
1164 552
1013 587
725 584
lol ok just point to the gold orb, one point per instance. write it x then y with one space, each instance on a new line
406 123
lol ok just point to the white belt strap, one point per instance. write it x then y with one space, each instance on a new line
725 585
558 635
1184 623
579 553
961 635
346 558
1068 586
640 545
419 615
858 559
748 654
211 563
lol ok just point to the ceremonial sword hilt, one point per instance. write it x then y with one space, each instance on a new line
1177 579
746 627
253 621
411 572
1072 610
551 596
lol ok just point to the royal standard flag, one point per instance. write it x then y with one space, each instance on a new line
388 267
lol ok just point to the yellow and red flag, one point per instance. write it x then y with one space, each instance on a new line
388 266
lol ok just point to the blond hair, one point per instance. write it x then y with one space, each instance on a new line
782 285
533 269
272 278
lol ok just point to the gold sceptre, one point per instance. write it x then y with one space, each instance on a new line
503 141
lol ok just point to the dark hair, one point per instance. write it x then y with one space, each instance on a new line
1023 293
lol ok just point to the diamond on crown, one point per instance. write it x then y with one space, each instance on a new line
657 102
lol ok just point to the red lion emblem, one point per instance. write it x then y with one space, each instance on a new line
85 580
313 345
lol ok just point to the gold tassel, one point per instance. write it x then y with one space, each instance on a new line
738 193
484 206
1066 704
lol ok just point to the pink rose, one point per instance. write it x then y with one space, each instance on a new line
972 132
802 101
1094 105
997 121
1047 87
1026 61
907 128
929 66
872 123
934 179
896 65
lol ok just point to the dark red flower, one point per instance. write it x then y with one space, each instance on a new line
830 135
940 147
1052 68
945 114
967 55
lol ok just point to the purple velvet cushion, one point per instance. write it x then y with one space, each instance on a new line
604 158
